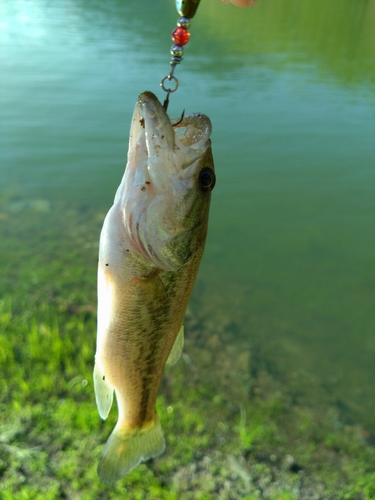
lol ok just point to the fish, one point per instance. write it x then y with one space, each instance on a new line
151 245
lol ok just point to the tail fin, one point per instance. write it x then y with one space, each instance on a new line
126 449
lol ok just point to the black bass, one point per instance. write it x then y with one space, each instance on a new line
151 245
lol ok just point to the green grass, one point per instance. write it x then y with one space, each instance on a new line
221 442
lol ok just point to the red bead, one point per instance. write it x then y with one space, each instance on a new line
180 36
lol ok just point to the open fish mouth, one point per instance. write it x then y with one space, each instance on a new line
169 147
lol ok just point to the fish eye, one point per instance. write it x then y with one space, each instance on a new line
207 179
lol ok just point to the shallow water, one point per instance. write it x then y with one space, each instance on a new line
289 87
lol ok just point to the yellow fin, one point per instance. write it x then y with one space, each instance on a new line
126 449
103 393
178 345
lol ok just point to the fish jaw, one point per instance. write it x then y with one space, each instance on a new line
161 200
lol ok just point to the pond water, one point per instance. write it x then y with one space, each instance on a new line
289 87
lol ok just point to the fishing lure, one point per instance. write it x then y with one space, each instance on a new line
180 37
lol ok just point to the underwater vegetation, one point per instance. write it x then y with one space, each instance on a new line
233 429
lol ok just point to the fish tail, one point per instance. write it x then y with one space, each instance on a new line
125 449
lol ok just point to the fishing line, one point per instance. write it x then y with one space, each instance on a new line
180 37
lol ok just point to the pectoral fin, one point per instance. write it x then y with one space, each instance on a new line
103 393
178 345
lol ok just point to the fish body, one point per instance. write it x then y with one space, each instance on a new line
151 245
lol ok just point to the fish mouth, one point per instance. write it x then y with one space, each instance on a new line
170 148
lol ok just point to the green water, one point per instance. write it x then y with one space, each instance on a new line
289 86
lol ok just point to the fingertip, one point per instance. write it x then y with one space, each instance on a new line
243 3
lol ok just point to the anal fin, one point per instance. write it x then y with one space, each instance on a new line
178 345
103 393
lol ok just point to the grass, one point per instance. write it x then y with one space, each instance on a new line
248 438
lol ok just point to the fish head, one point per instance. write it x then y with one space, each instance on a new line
166 189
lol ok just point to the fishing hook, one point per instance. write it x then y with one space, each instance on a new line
180 120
